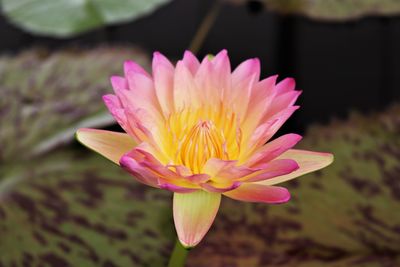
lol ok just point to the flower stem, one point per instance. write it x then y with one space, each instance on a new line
178 256
205 27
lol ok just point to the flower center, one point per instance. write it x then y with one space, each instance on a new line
202 142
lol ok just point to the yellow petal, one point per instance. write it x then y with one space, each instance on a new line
308 161
194 214
112 145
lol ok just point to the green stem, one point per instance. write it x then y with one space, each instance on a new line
205 27
178 256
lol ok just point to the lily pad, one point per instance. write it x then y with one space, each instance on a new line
45 97
332 10
64 18
76 209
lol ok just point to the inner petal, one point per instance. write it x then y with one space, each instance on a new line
202 142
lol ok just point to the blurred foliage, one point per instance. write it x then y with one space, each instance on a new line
64 18
332 10
71 207
46 96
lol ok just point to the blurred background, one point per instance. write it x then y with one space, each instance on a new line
60 205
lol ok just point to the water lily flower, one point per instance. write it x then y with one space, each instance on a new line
200 130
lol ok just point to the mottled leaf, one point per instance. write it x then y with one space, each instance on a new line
45 97
64 18
78 209
333 10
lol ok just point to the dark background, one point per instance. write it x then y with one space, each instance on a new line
339 66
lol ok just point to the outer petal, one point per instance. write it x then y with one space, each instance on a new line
163 72
260 193
286 85
308 161
193 215
111 145
131 66
191 62
274 168
247 68
141 173
273 149
220 188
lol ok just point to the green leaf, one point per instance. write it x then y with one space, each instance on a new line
45 97
78 209
331 10
64 18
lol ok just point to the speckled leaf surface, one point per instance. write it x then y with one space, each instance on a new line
346 215
45 97
331 10
78 209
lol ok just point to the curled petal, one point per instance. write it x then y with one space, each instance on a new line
265 131
273 149
250 192
226 171
272 169
141 173
194 214
176 188
220 188
308 161
111 145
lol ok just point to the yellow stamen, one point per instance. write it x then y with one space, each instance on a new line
201 134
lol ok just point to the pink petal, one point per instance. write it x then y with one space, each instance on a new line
286 85
273 149
308 161
148 164
191 62
272 169
130 66
282 102
119 83
207 81
194 214
261 97
222 73
226 171
141 95
113 104
220 188
163 73
111 145
247 68
239 96
142 174
260 193
186 93
265 131
176 188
